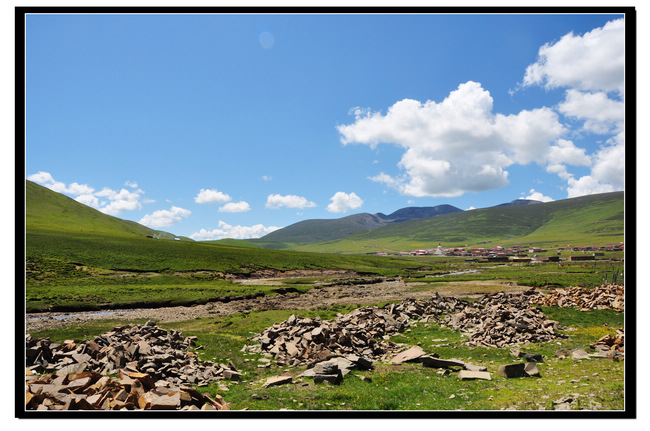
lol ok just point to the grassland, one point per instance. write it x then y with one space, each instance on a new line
598 384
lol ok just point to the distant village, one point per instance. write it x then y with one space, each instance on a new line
498 253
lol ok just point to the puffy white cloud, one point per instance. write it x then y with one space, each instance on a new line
211 196
537 196
594 61
89 200
587 185
235 207
131 184
119 202
565 152
600 113
275 201
343 202
591 66
115 204
224 230
46 179
163 218
457 145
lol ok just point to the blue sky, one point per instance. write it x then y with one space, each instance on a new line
213 126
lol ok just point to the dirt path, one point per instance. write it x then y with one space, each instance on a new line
322 296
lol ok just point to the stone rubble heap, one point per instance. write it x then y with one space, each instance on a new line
502 319
605 296
300 340
133 391
611 345
162 356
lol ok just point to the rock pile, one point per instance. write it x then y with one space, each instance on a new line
605 296
300 340
162 356
502 319
610 345
133 391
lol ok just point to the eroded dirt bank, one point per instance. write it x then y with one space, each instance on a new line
319 296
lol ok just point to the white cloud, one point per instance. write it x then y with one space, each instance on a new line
115 204
224 230
592 68
594 61
587 185
276 201
457 145
565 152
537 196
343 202
235 207
211 196
601 114
131 184
266 178
119 202
163 218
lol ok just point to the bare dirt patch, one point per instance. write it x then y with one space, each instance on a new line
321 296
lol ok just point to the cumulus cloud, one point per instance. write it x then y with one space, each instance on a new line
163 218
600 113
132 184
224 230
537 196
235 207
107 200
594 61
211 196
343 202
275 201
458 145
591 67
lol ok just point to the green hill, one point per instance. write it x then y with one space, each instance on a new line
49 210
322 230
597 219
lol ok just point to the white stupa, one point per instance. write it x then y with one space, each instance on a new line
439 251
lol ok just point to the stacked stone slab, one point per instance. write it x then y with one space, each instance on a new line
603 297
300 340
132 391
502 319
610 345
148 350
162 354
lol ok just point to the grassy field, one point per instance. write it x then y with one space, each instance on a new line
595 384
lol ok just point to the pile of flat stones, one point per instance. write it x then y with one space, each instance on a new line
611 345
503 319
363 332
163 356
603 297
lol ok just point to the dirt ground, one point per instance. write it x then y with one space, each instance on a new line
320 296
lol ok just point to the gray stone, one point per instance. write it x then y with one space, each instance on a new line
469 375
512 370
578 354
277 381
531 369
432 362
408 355
533 357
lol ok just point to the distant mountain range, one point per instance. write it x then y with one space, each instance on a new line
323 230
587 219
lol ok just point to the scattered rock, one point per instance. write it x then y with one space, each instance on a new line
469 375
277 381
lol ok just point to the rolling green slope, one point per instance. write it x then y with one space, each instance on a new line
597 219
49 210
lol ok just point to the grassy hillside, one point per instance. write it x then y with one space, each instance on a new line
597 219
